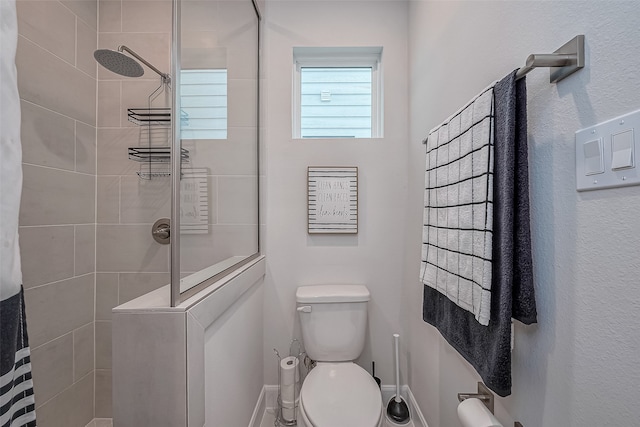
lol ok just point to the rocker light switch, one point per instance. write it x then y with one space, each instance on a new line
593 161
606 153
622 150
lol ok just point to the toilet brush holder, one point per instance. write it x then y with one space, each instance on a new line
397 409
288 386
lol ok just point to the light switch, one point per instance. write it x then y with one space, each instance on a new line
593 162
606 153
622 150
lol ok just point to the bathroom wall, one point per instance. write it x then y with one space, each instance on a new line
374 256
578 366
129 262
57 84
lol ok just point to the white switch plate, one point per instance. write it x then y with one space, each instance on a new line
610 178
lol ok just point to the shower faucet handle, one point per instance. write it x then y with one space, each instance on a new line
161 231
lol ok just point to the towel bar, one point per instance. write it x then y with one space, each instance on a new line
563 62
483 394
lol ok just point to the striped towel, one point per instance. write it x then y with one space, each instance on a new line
458 215
17 402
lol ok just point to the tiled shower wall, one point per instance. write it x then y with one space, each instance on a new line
129 262
85 223
57 84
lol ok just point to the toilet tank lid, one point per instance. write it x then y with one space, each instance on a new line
332 293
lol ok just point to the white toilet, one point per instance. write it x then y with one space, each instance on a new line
337 392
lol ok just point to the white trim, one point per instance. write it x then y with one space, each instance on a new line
271 396
413 403
295 102
266 401
344 56
258 412
340 57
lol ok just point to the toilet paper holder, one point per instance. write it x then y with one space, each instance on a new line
286 411
484 395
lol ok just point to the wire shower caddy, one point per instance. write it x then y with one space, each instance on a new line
155 122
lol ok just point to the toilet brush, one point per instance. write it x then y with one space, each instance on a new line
397 409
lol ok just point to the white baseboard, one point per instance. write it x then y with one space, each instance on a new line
258 411
388 391
269 396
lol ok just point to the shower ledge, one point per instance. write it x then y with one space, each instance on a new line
159 299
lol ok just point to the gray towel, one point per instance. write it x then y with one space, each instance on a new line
488 348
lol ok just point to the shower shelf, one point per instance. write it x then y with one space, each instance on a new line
153 170
154 159
149 175
150 116
155 154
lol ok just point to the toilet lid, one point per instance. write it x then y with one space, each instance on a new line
341 395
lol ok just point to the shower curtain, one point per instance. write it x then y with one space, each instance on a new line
17 402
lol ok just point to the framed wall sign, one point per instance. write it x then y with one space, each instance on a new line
332 200
194 201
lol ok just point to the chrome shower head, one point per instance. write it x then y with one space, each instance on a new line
118 62
124 65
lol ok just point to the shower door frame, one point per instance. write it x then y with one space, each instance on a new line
176 164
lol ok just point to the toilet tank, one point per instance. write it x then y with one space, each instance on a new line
333 320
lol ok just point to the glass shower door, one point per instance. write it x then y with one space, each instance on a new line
217 97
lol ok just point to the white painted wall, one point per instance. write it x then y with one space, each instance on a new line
578 366
374 256
233 372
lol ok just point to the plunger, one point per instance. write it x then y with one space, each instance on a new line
397 409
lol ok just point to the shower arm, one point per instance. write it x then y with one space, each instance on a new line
166 78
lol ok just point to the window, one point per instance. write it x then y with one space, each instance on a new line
203 99
337 93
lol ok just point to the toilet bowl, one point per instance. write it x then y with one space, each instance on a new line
340 395
337 392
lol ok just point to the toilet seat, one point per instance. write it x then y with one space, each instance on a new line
340 395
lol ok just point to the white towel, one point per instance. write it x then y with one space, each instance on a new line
10 154
458 215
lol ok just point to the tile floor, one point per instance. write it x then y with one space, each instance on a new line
269 418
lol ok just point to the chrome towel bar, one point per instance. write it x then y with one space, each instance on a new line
563 62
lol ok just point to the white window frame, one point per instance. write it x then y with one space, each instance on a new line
339 57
